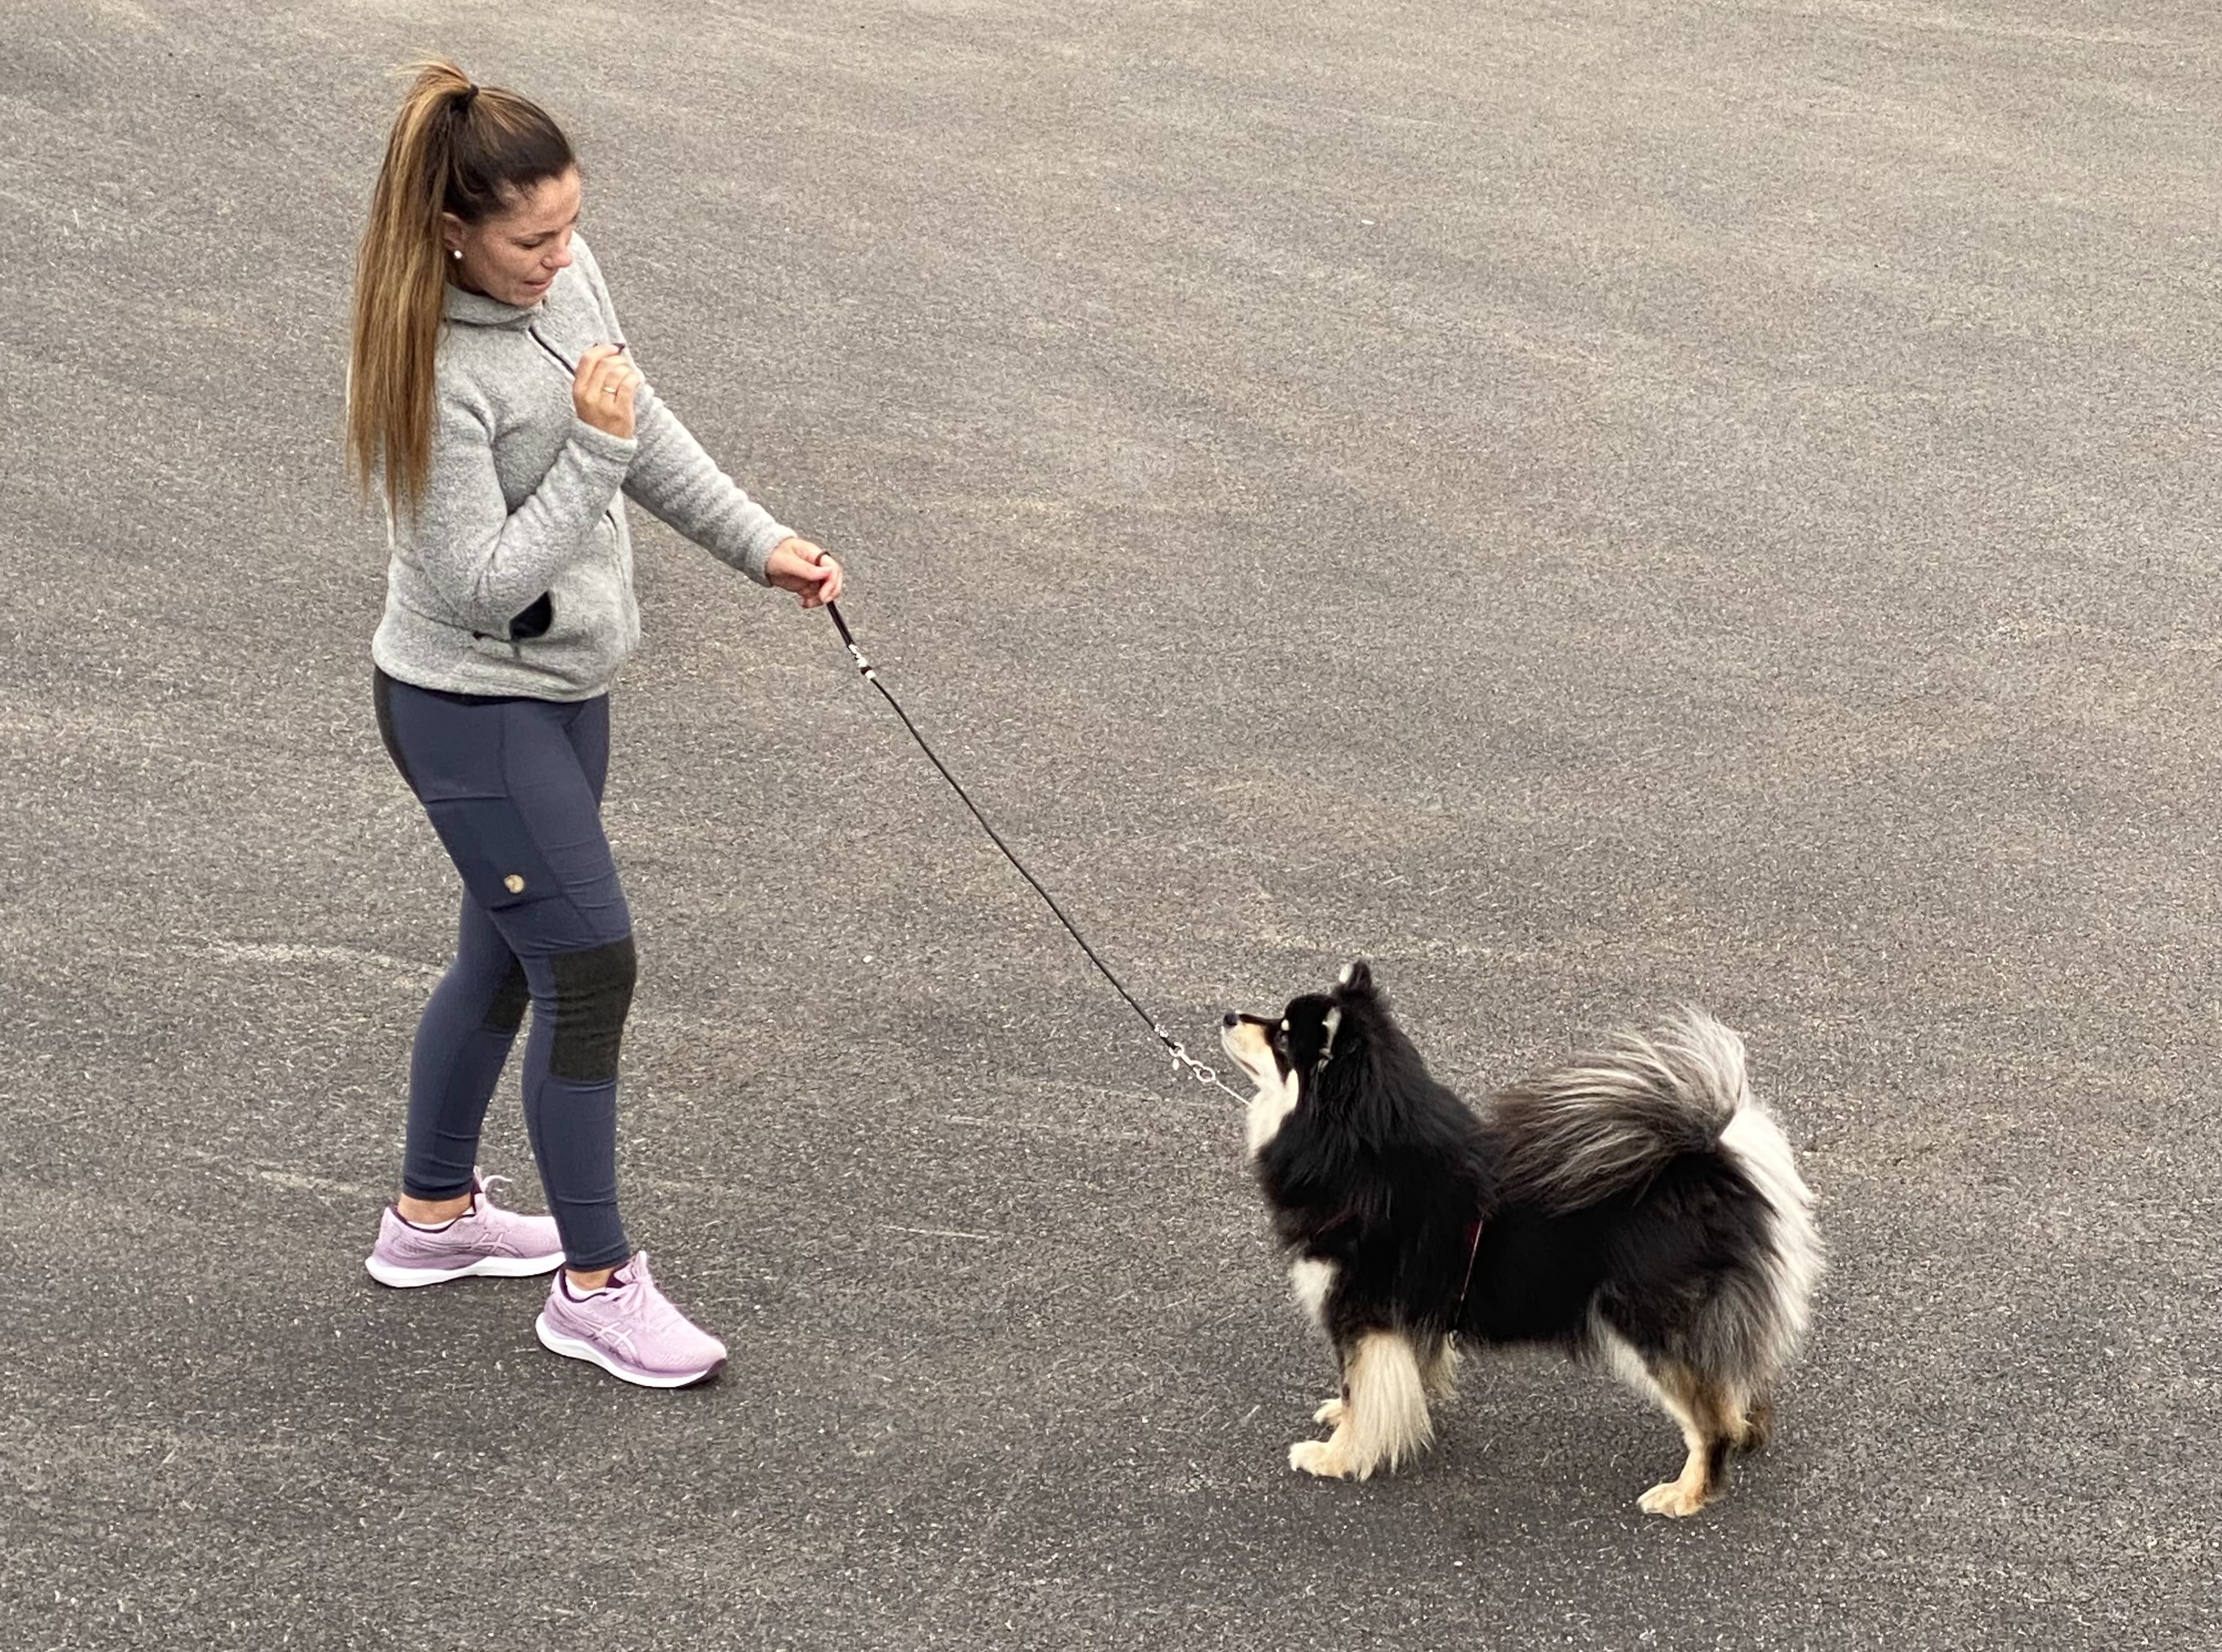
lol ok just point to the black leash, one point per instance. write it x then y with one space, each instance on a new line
1180 1057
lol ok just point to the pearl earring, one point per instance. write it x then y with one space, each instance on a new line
455 253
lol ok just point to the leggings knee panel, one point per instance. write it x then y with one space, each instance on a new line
593 994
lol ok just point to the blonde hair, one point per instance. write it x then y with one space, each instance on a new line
456 148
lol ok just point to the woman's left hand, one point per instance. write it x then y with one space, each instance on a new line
797 565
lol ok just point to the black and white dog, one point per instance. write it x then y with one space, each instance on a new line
1635 1206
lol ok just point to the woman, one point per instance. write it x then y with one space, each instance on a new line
493 403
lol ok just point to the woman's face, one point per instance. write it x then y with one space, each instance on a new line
513 256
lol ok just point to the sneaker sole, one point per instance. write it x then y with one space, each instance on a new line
486 1267
572 1349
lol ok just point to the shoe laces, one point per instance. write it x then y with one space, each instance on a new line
654 1308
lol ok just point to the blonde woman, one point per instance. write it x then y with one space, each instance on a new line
494 404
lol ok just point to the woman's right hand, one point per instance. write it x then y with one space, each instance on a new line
603 391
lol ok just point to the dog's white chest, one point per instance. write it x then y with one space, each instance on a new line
1269 1108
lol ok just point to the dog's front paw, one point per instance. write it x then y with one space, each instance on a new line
1331 1413
1672 1499
1318 1457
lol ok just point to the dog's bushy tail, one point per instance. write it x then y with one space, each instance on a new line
1608 1122
1610 1119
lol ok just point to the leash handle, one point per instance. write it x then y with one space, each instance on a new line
863 665
1181 1057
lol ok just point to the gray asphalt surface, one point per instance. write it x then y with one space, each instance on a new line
1588 506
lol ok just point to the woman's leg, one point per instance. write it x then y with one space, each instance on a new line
463 1040
577 955
511 786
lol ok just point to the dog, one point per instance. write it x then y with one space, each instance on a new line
1636 1208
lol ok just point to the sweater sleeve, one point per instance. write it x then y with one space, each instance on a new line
673 478
488 561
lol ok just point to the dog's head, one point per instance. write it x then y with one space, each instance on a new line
1314 1047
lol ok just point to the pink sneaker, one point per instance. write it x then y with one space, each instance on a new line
631 1330
485 1239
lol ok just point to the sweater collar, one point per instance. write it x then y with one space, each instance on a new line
476 310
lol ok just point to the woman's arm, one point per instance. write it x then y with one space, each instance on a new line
488 561
673 477
678 482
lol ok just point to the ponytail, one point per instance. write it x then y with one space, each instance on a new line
456 147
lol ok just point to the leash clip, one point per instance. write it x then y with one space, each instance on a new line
1205 1075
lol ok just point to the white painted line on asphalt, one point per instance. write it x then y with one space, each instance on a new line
940 1233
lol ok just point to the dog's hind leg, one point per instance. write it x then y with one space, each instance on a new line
1757 1423
1712 1420
1382 1417
1711 1417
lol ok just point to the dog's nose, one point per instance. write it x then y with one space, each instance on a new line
1230 1020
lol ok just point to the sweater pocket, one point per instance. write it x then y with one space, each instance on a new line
536 621
583 627
533 620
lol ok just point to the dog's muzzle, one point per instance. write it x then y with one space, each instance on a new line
1244 1037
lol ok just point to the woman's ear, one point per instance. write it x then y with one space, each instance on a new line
451 233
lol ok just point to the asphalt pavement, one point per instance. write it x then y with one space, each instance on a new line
1589 506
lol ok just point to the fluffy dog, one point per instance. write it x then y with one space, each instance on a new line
1635 1207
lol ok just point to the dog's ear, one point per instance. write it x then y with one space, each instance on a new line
1335 1075
1357 976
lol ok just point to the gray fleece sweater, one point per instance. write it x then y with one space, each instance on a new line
515 577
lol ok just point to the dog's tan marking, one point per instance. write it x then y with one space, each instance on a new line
1758 1424
1277 1095
1383 1413
1683 1495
